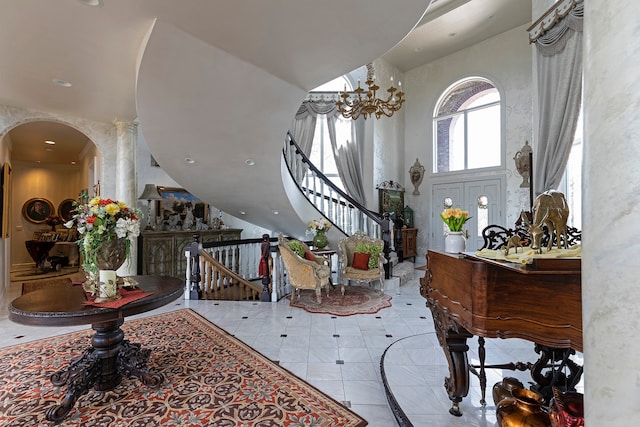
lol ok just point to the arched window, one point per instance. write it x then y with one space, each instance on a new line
467 127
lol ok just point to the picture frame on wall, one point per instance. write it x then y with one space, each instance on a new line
391 198
177 200
37 210
66 209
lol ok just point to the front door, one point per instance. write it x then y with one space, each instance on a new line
481 198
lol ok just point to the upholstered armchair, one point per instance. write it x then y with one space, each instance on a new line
361 259
305 271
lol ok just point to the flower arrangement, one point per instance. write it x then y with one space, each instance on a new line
100 221
455 218
321 225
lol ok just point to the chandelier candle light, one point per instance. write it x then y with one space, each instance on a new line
354 104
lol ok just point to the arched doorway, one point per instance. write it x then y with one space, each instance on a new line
51 163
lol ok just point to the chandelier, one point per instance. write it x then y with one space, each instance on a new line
364 102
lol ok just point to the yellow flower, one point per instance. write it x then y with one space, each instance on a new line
454 218
112 209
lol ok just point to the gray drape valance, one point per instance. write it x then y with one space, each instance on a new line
559 70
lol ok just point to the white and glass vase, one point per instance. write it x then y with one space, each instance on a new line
454 242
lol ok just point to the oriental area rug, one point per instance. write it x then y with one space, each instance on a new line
356 300
211 379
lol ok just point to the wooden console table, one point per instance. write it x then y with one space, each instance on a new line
469 295
110 356
161 253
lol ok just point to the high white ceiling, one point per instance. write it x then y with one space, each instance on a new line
193 71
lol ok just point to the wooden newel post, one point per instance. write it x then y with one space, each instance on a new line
398 223
194 251
264 268
386 238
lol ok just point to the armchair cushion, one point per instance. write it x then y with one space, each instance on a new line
374 252
297 247
361 260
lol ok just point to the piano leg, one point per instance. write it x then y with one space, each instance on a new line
453 340
482 354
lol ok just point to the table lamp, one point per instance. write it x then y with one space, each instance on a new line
149 193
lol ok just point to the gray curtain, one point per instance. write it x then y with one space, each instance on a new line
559 60
304 126
348 157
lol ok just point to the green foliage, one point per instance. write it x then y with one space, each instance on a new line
372 249
297 247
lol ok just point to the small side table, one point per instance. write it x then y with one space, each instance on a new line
327 254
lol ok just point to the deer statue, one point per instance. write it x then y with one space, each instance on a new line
513 242
550 208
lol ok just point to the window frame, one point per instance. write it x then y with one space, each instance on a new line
462 113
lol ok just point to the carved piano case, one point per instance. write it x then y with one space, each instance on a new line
468 295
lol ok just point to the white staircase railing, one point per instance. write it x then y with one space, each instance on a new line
338 207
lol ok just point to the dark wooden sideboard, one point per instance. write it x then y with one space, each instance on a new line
409 243
161 253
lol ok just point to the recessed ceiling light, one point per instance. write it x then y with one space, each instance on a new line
50 142
243 213
452 34
73 162
275 212
92 3
250 162
48 149
418 49
62 83
189 160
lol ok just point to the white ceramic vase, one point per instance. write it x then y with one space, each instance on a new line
455 242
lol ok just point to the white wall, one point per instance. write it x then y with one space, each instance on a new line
504 59
147 174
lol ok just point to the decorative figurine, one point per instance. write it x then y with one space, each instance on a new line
416 172
551 209
523 164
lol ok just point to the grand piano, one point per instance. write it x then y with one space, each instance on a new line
539 302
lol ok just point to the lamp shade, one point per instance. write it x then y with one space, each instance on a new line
150 192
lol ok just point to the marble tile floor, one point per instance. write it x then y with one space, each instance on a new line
342 355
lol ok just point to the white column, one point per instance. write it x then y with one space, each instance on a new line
611 212
126 186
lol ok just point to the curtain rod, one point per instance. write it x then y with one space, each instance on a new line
548 19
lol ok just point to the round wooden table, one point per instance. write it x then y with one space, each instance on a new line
110 357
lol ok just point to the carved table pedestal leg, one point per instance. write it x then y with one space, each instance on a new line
102 367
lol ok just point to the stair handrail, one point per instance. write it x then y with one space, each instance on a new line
238 259
345 213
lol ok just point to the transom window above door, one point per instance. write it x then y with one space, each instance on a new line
467 127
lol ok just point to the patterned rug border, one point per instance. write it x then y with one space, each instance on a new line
310 400
307 301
